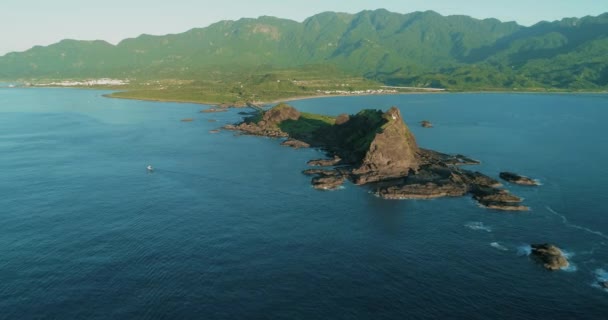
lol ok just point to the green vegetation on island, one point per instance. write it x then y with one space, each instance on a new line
267 58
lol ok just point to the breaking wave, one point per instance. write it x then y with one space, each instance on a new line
476 225
499 246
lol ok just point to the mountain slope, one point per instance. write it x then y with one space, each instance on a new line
420 48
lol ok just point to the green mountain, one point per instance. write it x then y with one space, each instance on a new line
417 49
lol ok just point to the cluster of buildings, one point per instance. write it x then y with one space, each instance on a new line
92 82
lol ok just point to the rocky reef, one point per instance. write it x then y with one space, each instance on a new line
550 256
377 149
518 179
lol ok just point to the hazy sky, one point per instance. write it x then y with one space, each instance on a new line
25 23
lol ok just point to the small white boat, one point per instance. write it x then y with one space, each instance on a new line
150 169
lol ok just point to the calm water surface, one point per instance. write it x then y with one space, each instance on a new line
228 227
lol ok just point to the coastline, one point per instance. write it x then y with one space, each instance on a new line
323 96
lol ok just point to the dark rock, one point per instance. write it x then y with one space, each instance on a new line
324 162
296 144
433 157
429 190
497 199
426 124
321 172
604 284
478 179
392 153
518 179
550 256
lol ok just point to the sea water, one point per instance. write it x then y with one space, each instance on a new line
227 227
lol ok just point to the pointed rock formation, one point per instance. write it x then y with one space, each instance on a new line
393 152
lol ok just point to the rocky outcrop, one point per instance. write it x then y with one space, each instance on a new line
324 172
324 162
342 119
431 156
330 182
497 199
377 149
268 124
212 110
393 152
518 179
426 124
550 256
279 114
296 144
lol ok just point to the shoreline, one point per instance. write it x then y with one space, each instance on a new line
323 96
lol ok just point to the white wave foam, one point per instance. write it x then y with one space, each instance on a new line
574 226
524 250
499 246
476 225
601 276
570 268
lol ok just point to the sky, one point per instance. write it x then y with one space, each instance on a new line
26 23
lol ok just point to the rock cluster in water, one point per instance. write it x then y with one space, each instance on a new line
377 149
550 256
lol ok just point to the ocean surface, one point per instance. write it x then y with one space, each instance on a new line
227 227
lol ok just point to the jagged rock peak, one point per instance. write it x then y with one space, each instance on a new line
393 152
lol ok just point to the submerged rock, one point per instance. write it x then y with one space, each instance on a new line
550 256
518 179
187 120
426 124
604 284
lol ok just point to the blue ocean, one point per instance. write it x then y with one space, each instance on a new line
227 227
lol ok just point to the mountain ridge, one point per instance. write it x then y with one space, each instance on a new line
421 48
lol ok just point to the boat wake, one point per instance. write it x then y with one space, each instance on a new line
574 226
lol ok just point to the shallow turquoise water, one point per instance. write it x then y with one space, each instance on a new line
227 227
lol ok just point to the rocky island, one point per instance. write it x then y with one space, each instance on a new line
377 149
518 179
550 256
